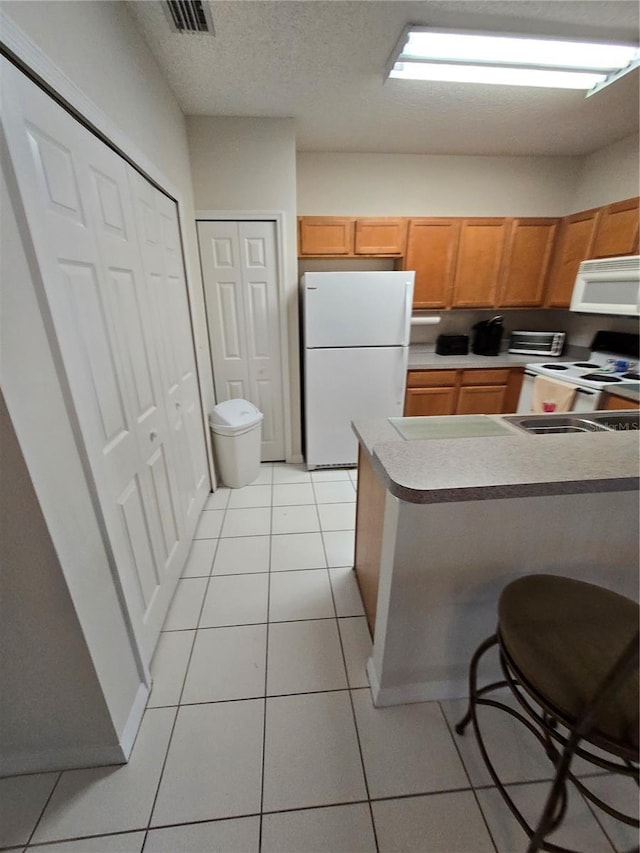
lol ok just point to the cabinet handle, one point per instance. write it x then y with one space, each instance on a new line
153 435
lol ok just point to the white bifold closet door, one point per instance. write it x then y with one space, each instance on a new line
240 274
106 245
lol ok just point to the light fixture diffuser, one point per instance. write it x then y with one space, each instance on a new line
425 53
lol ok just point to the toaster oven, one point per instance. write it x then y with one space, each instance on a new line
537 343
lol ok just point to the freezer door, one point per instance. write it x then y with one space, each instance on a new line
342 385
357 309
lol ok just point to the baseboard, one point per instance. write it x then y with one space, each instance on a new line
406 694
78 758
130 731
72 758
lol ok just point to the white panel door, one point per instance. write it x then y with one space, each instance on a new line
76 199
241 290
169 319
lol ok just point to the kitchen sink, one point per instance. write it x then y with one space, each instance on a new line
555 424
618 421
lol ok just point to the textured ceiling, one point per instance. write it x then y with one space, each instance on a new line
321 62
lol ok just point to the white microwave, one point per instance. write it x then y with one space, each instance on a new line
608 286
537 343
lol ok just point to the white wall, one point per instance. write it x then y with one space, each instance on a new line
610 174
433 185
249 164
51 703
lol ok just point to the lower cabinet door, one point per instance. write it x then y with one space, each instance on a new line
481 400
430 401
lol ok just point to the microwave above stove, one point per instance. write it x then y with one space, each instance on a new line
537 343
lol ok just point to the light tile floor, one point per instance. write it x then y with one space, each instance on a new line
260 734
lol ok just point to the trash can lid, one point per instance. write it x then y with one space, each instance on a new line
235 413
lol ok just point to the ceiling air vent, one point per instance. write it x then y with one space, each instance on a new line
190 16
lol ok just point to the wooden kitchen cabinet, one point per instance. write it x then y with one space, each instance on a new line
617 232
385 236
473 391
525 262
492 391
370 502
325 235
432 246
478 262
612 402
574 244
430 401
481 400
431 392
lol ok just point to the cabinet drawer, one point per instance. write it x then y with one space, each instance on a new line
478 376
430 378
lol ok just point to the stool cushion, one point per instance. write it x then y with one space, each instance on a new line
564 636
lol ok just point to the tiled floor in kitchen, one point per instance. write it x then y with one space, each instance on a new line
260 733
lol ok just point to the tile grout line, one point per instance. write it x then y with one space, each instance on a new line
43 810
266 673
353 712
466 772
186 672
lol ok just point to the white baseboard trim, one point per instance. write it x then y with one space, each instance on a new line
71 758
78 758
130 731
423 691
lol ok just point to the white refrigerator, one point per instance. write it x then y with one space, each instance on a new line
356 329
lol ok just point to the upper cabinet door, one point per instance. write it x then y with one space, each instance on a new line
526 262
432 246
617 232
479 262
325 235
573 245
387 236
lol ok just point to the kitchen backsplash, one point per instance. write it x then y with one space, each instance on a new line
580 328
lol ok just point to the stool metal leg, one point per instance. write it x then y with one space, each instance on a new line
473 682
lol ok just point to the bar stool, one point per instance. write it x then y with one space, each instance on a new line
569 654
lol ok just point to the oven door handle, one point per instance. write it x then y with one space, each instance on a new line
530 373
584 391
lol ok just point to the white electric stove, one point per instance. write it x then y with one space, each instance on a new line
612 363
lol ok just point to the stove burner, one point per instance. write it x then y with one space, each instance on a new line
631 375
585 364
600 377
555 366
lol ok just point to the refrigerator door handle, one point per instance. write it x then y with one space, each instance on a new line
402 377
408 309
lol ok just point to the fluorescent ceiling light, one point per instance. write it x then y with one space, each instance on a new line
542 78
511 60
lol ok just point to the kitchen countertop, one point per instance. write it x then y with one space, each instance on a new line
494 467
424 357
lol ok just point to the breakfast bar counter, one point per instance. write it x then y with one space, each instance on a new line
443 524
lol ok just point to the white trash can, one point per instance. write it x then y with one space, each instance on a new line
236 427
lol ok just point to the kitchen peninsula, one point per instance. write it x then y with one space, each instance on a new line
443 524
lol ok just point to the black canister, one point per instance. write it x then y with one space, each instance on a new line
487 336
